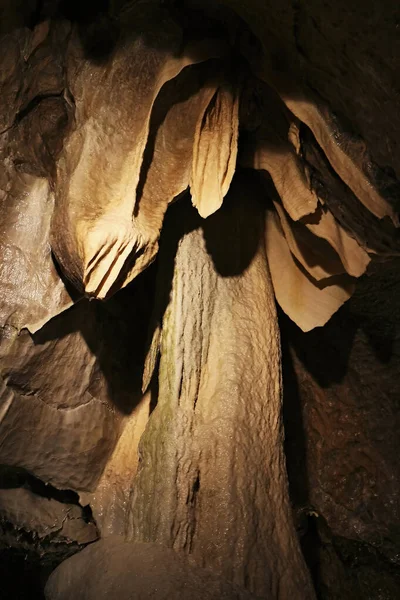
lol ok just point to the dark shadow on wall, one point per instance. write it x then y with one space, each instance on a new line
23 577
325 351
231 245
115 331
296 456
295 436
315 542
26 558
346 375
373 310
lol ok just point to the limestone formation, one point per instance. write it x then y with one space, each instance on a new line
169 170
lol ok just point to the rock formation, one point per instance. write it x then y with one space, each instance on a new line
168 171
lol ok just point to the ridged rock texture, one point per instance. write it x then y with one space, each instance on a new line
179 181
234 422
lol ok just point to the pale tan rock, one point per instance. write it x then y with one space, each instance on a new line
284 167
346 161
93 231
316 256
215 150
377 237
65 447
273 146
65 391
212 449
307 302
289 179
347 158
168 157
65 388
110 501
323 224
31 290
321 260
113 568
45 517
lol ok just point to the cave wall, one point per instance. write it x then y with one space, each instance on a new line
341 410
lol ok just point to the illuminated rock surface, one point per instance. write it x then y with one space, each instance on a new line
113 568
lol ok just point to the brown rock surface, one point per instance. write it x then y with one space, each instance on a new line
51 522
93 230
113 568
342 440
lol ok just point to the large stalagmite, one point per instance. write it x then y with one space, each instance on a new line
213 446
